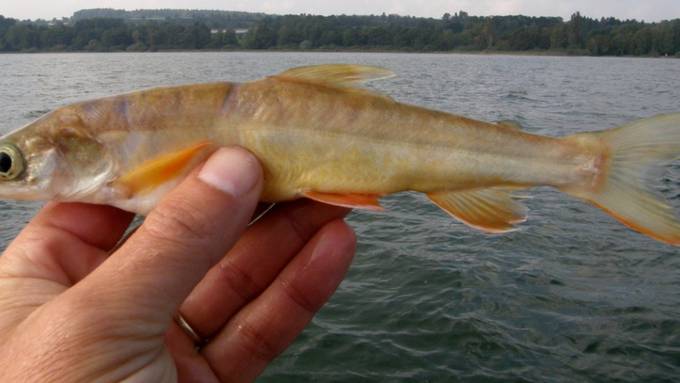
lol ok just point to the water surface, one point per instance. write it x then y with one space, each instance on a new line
572 296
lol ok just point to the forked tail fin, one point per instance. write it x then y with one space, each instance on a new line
634 155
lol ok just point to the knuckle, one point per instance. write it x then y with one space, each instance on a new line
301 229
306 302
177 219
42 249
256 343
241 282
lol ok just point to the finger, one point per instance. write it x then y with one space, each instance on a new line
190 230
191 366
256 259
269 324
98 225
66 241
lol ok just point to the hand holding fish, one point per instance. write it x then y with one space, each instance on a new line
71 311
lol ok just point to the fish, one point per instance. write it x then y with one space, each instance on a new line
319 134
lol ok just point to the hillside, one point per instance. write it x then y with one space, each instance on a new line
211 18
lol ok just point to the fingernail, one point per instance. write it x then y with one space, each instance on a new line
231 170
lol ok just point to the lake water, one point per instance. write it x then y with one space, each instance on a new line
572 296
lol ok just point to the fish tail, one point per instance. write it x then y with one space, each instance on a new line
630 162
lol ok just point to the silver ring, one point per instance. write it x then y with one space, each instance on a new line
184 325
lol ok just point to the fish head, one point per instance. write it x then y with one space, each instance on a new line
54 157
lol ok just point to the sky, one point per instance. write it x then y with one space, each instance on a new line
648 10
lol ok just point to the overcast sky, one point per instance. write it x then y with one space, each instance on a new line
649 10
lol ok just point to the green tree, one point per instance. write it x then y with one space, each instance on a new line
5 25
487 38
185 29
575 31
559 38
230 39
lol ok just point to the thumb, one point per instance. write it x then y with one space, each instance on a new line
188 232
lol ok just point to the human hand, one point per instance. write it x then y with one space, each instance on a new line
70 312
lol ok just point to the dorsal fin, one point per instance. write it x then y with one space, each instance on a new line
510 124
493 210
338 74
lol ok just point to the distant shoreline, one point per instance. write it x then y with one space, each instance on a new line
168 30
538 53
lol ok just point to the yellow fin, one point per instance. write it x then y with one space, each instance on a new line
510 124
159 170
355 201
338 74
493 210
630 161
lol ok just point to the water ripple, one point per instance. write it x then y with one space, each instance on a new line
572 296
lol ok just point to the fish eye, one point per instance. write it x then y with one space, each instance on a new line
11 162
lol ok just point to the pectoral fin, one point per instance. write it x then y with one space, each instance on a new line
354 201
161 169
493 210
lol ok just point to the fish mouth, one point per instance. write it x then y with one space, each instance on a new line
34 183
21 193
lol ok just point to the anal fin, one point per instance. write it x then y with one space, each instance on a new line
492 210
354 201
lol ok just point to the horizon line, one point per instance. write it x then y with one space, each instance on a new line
334 14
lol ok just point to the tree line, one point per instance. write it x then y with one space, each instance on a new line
457 32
